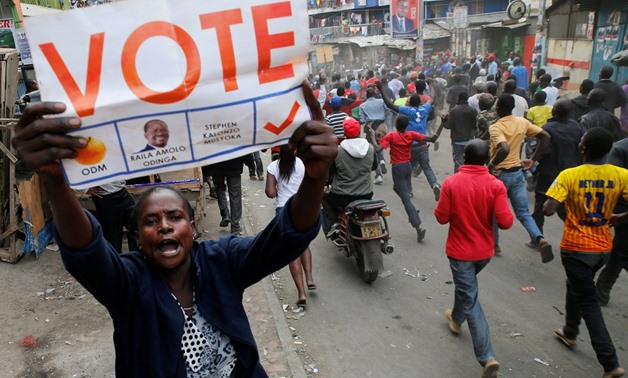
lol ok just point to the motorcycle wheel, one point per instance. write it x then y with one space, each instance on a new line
368 277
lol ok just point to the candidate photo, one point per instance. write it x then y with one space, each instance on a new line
401 23
156 134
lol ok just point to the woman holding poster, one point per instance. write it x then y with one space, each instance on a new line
176 304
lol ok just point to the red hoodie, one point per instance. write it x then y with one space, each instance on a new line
469 201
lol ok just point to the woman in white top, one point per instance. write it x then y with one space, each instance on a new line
282 182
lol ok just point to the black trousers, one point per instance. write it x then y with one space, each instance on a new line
114 213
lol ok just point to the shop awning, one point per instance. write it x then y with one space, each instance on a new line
508 26
433 31
380 40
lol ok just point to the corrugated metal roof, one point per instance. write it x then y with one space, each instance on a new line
380 40
430 31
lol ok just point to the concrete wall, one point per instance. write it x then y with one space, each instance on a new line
569 58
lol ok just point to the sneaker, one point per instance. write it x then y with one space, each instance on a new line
546 251
333 232
617 372
490 369
533 245
382 166
436 146
378 180
498 250
261 178
560 335
420 233
530 183
237 231
225 221
253 177
453 326
436 189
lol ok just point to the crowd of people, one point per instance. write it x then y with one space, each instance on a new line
508 136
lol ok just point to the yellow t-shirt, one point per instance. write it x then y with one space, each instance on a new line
590 192
539 114
401 101
511 130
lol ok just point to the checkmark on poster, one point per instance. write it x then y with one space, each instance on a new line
288 121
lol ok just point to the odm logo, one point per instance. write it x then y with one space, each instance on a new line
93 153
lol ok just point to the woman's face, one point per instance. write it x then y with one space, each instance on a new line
165 230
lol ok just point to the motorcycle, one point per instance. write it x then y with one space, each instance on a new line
363 233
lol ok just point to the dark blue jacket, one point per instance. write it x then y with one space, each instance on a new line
148 322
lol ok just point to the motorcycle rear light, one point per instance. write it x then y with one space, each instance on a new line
385 213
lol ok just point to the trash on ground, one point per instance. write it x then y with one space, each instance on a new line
528 289
540 361
557 309
514 334
285 307
449 282
29 341
385 273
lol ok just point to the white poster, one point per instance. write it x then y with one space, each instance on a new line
163 85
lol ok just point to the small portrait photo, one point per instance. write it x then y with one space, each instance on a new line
156 133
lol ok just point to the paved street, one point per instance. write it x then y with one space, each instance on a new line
395 327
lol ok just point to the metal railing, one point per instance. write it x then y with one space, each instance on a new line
331 34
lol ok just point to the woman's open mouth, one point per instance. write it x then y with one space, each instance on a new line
168 247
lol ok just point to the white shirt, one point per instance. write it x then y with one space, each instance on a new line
286 188
552 95
521 106
474 101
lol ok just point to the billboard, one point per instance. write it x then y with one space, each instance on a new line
404 19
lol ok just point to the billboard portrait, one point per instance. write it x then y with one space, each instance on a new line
405 18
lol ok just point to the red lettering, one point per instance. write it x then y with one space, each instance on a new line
266 42
222 22
192 57
83 103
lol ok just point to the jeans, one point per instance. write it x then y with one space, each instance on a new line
379 156
457 151
617 262
402 175
467 306
581 303
234 184
516 187
421 161
388 118
539 216
258 167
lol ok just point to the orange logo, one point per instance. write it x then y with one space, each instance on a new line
93 153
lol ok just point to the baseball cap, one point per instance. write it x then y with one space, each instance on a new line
336 103
351 127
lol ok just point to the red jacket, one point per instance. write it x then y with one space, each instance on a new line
469 201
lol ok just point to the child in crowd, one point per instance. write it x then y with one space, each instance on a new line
540 112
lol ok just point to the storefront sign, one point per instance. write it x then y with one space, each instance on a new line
173 84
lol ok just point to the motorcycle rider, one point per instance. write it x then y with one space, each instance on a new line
350 175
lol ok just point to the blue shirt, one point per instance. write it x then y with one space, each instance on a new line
148 321
373 109
417 116
521 75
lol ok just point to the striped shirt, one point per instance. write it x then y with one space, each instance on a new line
590 192
335 120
